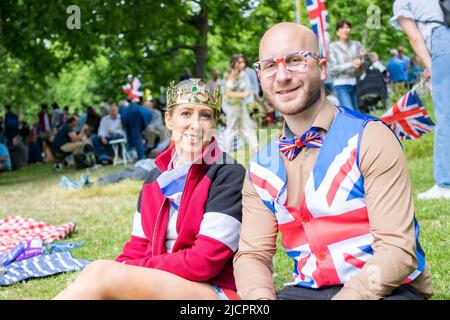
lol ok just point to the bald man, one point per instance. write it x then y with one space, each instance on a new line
334 183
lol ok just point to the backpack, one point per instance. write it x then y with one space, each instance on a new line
445 6
371 88
86 158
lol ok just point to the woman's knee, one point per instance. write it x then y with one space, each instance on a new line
96 273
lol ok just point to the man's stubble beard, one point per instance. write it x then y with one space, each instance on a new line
312 96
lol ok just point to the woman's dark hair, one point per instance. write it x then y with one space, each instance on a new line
342 23
233 62
235 59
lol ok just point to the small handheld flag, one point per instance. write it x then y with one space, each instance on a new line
408 118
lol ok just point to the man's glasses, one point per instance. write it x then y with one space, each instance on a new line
294 62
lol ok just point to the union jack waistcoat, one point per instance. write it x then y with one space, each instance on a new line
328 237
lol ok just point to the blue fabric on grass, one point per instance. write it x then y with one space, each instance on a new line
40 266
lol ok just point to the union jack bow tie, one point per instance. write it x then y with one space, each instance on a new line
291 147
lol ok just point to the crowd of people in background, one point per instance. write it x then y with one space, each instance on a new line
355 78
68 133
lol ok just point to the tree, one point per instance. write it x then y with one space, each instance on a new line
152 39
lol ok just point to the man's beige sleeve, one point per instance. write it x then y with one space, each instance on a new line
391 216
257 245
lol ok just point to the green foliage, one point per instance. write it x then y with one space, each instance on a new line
152 39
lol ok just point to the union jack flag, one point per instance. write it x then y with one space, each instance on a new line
171 183
408 118
132 89
328 235
291 147
318 17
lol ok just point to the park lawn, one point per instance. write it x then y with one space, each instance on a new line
104 215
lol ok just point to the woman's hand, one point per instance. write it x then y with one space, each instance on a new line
356 63
245 94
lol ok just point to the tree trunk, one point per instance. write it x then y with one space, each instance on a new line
201 49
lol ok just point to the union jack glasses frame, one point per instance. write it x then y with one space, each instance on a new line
293 61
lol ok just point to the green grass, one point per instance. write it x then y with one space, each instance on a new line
103 217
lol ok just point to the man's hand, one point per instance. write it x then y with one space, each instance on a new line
104 141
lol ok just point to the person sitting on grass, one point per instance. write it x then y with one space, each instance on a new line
19 153
5 158
186 228
68 140
334 183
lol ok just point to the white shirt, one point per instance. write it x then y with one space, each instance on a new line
110 126
171 232
419 11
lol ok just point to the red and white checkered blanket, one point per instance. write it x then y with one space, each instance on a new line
16 229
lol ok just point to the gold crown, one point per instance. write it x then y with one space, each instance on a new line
193 91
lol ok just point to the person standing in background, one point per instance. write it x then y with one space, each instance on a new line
44 122
57 118
402 57
396 68
345 65
135 118
11 125
429 36
236 98
215 80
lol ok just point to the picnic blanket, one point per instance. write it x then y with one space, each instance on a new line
16 229
40 266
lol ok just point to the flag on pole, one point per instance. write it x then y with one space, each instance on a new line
131 89
408 118
318 17
298 17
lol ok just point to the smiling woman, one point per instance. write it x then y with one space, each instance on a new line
186 227
192 129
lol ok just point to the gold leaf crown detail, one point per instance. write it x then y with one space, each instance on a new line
193 91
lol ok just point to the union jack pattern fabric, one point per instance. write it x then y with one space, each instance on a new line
131 89
408 118
328 236
318 17
172 181
172 184
291 147
16 229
